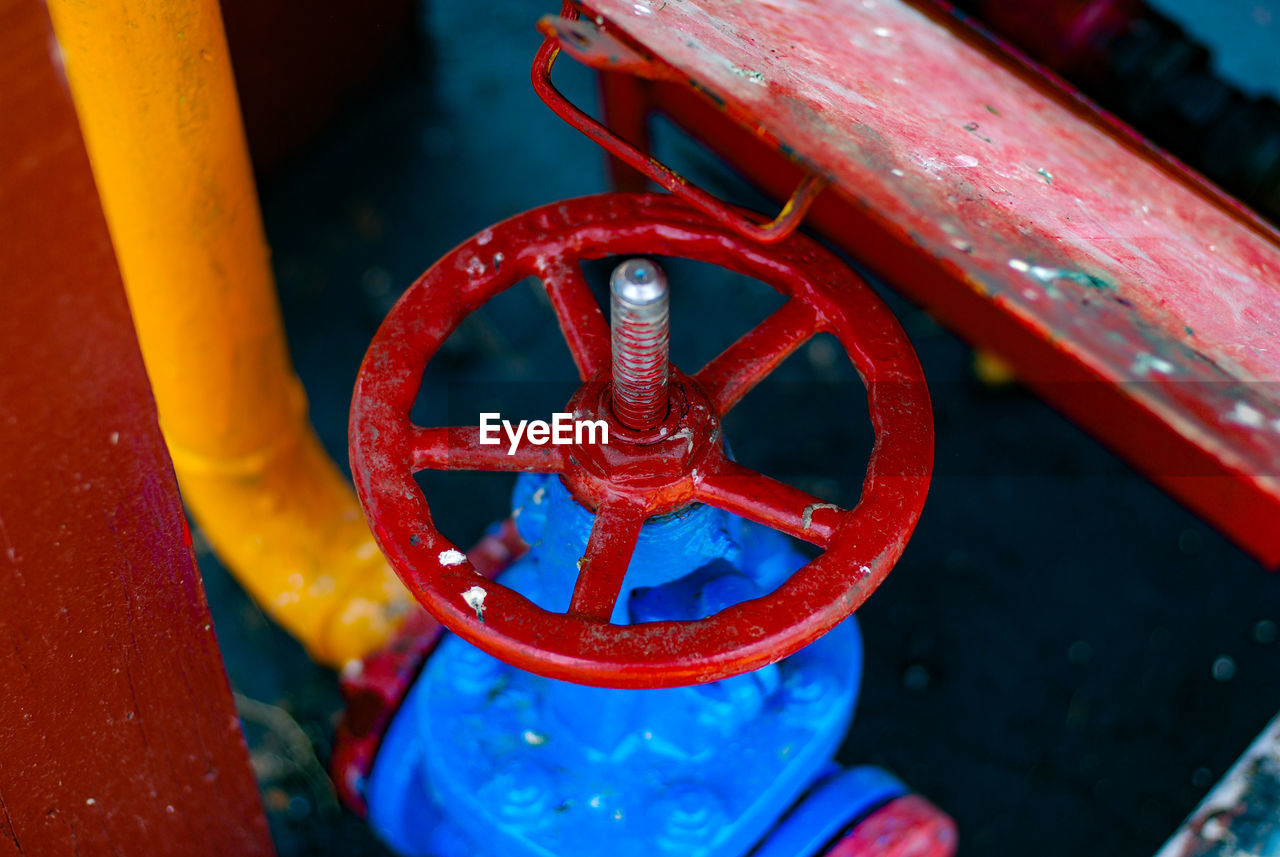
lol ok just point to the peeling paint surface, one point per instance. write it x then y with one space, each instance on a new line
1241 815
1058 222
838 78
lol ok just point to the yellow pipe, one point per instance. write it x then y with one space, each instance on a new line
153 87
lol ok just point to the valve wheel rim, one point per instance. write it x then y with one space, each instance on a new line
860 544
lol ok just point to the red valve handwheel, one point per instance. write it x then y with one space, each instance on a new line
637 476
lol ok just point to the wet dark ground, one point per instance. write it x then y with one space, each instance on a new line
1064 659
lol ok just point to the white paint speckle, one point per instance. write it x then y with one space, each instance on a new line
1030 294
687 434
1019 265
883 32
747 74
90 802
452 557
1246 415
1214 830
897 172
475 600
533 739
115 438
1144 363
539 496
966 161
642 9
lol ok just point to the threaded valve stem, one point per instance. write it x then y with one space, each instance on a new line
639 311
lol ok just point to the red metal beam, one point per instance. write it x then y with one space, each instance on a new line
118 730
1126 291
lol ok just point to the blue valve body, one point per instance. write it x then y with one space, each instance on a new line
486 760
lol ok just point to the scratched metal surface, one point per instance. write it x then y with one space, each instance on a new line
1143 274
1241 816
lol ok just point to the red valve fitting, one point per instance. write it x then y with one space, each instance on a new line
676 461
909 826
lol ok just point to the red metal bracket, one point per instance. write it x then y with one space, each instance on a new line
597 49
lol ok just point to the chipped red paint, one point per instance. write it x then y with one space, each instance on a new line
375 686
1124 289
638 475
907 827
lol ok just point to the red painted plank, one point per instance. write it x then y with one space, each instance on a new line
118 734
1126 291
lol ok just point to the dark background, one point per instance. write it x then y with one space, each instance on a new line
1064 659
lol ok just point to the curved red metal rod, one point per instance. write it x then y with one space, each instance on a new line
767 501
731 375
604 563
581 320
459 448
792 213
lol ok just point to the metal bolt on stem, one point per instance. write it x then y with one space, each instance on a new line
639 312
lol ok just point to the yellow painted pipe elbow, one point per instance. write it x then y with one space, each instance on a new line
153 88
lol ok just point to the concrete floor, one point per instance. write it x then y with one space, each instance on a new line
1064 659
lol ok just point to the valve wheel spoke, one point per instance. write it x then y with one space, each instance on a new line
731 375
581 321
767 501
459 448
604 563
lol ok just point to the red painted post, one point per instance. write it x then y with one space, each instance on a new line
118 734
624 103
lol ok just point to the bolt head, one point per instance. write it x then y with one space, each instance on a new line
522 790
638 282
690 813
